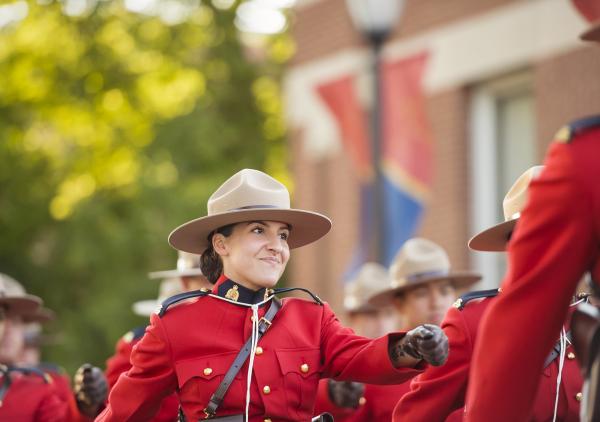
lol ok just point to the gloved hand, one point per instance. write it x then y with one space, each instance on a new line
345 393
427 342
90 388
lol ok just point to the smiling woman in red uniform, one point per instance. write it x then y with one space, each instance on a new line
245 243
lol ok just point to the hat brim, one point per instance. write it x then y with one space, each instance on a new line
145 308
494 239
175 273
307 227
24 306
592 34
460 280
42 316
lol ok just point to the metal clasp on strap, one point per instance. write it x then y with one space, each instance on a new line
266 321
208 414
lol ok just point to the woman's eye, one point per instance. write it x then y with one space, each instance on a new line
258 230
284 236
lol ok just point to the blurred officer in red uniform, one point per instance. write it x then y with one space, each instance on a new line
245 242
439 393
186 277
421 289
29 393
556 242
343 398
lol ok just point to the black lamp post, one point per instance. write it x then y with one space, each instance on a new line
375 19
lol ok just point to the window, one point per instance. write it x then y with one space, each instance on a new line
503 146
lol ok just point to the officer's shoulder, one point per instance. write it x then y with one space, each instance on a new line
181 299
32 373
569 133
462 301
135 334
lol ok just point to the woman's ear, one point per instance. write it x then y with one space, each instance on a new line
219 243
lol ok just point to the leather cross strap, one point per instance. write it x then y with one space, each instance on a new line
555 351
264 323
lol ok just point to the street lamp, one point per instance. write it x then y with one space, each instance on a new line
375 19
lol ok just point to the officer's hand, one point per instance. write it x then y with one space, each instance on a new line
345 393
90 388
427 342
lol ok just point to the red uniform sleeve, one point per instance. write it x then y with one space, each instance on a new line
119 362
439 391
137 395
348 357
554 244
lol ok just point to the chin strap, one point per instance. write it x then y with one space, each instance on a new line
291 289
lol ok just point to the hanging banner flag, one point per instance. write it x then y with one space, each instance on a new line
406 150
341 99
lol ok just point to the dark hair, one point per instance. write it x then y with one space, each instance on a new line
210 261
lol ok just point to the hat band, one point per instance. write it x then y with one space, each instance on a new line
428 274
249 207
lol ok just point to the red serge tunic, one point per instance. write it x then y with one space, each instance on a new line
192 346
30 398
440 391
557 239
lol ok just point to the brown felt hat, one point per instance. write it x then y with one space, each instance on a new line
250 195
418 262
495 238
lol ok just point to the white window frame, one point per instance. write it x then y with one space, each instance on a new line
483 142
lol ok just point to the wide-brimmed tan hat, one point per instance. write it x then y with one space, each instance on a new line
41 316
371 279
418 262
247 196
496 237
188 264
168 287
16 299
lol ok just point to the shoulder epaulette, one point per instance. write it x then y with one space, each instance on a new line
30 370
180 297
314 297
479 294
134 334
569 132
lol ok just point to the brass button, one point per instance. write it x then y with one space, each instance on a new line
267 420
252 318
266 389
259 350
207 371
304 368
571 355
362 401
579 396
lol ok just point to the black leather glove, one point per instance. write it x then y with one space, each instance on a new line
427 342
90 388
345 393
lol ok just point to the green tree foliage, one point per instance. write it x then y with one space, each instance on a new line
115 127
